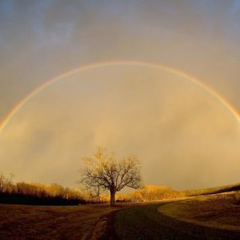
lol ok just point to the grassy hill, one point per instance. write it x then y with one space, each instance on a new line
215 190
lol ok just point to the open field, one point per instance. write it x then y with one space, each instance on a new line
44 222
126 221
218 211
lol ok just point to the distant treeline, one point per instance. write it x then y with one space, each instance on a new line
37 194
150 193
55 194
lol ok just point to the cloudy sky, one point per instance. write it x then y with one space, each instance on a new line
184 136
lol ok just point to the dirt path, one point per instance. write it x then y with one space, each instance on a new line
145 222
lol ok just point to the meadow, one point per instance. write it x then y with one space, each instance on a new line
53 222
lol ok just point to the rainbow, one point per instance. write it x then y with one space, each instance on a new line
51 81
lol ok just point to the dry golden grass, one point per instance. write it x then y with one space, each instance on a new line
44 222
213 190
219 211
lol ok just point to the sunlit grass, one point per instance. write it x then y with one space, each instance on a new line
218 210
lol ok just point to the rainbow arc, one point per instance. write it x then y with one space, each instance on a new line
89 67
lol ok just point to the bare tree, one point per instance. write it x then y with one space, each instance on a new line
6 182
106 172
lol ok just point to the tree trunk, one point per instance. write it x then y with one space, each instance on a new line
112 195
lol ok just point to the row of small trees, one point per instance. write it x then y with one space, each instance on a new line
150 193
35 193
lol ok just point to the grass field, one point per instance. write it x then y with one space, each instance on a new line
219 211
44 222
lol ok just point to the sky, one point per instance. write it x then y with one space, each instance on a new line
182 134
